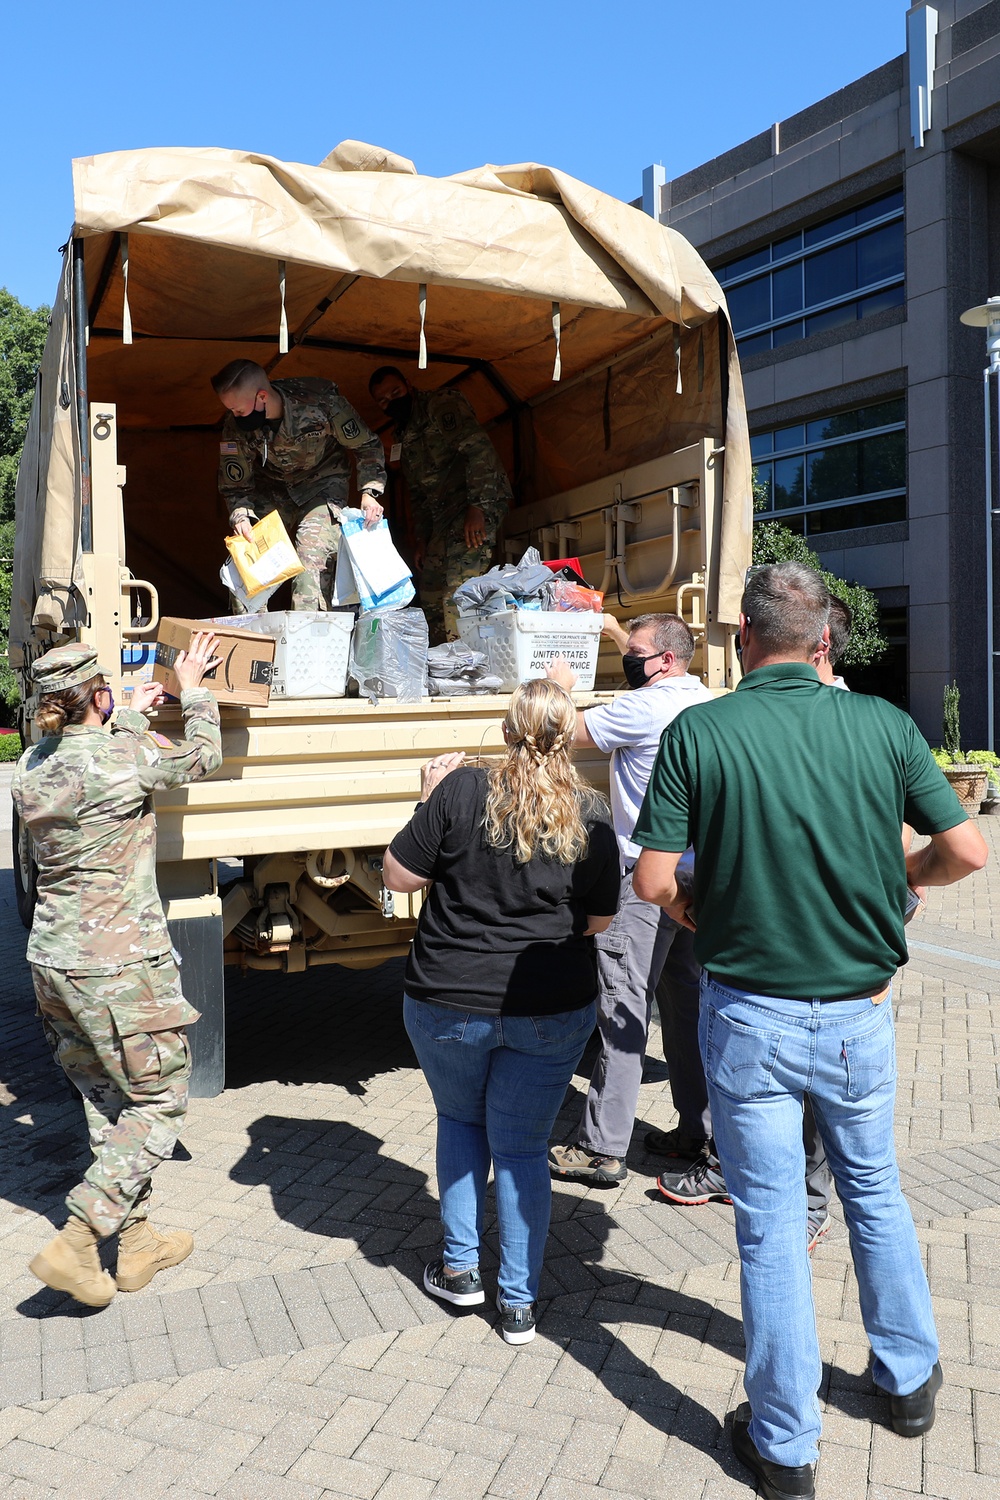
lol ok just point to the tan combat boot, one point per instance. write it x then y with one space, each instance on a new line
70 1263
143 1250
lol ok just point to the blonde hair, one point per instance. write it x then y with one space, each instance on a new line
56 710
535 799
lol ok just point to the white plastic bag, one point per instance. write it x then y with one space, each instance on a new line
370 571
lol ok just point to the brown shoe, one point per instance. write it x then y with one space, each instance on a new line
70 1263
143 1250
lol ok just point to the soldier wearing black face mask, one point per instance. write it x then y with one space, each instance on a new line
459 490
284 447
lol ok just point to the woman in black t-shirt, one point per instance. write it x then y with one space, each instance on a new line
501 985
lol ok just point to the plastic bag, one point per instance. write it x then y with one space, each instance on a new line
389 655
268 559
250 605
575 596
370 571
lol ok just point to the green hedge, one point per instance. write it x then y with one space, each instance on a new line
10 746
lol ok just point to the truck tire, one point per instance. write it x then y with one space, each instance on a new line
25 869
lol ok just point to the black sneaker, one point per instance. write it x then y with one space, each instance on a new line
913 1415
675 1143
517 1324
703 1183
776 1481
463 1290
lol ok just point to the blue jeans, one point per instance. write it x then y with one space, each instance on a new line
498 1083
762 1056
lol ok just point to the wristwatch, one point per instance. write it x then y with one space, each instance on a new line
375 495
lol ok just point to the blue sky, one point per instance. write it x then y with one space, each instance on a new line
600 90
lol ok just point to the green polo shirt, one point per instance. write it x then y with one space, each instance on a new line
794 796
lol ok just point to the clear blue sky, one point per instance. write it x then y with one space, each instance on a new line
600 90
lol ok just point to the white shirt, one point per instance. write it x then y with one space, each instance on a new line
630 729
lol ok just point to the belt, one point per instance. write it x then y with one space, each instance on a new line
875 996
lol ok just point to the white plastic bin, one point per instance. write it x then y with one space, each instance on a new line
312 650
522 643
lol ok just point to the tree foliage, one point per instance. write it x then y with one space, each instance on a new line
951 723
22 339
774 543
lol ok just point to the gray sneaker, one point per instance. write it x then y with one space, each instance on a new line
819 1225
702 1183
577 1164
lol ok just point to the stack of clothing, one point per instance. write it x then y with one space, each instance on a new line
453 669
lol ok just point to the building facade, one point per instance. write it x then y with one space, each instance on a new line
849 239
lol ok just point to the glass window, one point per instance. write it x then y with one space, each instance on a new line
786 290
844 423
787 333
789 246
750 303
819 233
834 273
755 344
748 263
788 474
879 207
834 472
788 437
882 415
880 254
847 517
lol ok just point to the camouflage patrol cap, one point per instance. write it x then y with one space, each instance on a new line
65 667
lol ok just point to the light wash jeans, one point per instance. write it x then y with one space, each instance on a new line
498 1083
762 1056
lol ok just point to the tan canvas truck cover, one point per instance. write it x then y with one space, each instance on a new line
507 276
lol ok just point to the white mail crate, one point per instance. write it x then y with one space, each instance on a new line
522 643
313 646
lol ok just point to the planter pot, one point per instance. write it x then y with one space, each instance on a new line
990 809
970 785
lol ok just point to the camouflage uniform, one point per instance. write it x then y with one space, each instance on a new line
302 471
449 464
108 989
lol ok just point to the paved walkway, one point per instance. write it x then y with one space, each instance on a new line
294 1356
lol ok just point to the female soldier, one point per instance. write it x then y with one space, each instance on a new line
108 988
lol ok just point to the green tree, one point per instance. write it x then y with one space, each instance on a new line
22 339
773 543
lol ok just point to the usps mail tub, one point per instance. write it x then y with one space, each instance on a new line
312 650
522 643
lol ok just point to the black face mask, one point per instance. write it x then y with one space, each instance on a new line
635 669
399 409
252 422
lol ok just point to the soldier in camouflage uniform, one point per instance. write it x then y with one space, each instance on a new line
108 989
459 490
284 447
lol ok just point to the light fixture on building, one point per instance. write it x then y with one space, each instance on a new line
987 316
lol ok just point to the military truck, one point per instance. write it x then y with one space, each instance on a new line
595 347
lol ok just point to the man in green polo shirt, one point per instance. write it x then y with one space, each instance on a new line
793 798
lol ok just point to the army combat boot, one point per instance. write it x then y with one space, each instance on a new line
70 1263
143 1250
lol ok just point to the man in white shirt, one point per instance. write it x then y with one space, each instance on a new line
642 941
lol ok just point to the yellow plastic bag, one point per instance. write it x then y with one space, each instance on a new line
268 559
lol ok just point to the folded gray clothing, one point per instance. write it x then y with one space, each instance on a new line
525 580
453 659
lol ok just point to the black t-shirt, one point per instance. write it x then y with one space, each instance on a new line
496 936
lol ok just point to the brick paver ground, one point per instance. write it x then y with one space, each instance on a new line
295 1357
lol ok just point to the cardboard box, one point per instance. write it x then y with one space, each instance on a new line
242 676
522 643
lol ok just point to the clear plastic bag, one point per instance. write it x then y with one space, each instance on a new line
389 655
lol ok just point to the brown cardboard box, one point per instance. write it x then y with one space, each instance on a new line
242 676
